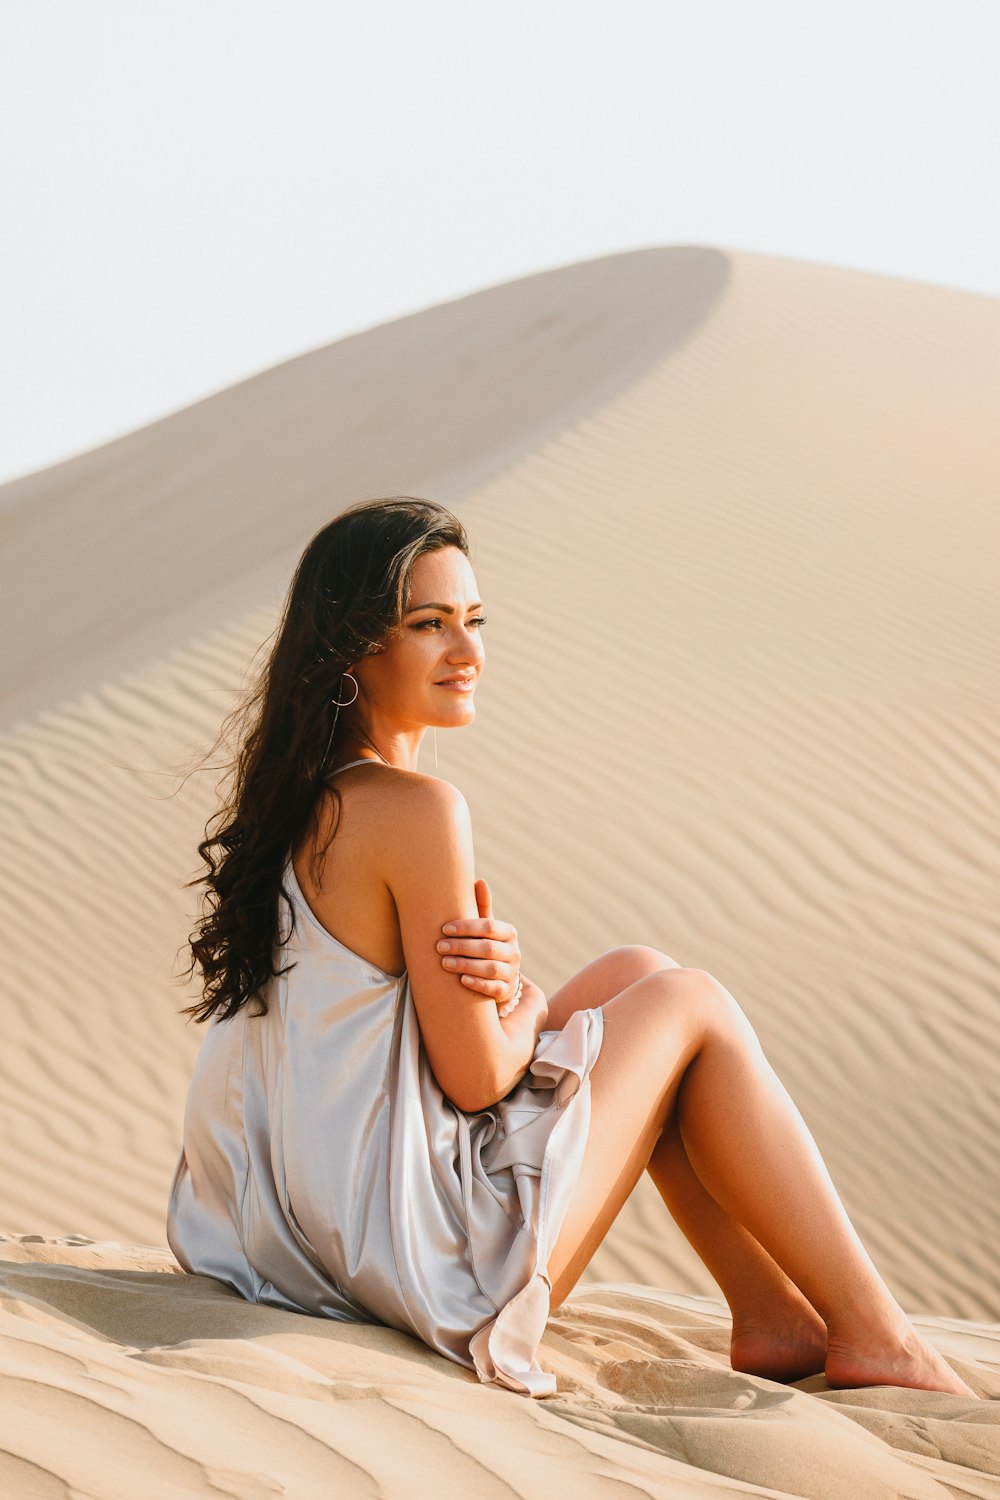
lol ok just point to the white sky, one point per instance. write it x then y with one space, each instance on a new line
193 190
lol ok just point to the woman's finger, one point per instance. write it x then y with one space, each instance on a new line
494 988
481 968
480 927
480 948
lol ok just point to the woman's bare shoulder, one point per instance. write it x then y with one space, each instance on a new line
403 788
406 835
415 787
400 801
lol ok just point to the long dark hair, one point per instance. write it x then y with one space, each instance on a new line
350 591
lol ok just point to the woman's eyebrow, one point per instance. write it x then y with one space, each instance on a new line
449 609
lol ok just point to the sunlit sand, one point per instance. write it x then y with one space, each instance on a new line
735 522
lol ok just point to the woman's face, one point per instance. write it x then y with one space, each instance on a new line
404 688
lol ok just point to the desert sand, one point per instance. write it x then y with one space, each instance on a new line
735 524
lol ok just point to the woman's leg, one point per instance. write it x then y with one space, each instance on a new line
676 1040
776 1332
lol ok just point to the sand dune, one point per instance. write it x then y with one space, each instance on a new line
212 506
175 1378
735 524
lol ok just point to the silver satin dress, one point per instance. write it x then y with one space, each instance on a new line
324 1171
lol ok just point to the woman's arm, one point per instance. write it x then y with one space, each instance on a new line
484 950
522 1028
475 1055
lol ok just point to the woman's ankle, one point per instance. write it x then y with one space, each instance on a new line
871 1324
903 1359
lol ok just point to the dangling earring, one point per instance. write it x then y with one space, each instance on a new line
340 705
435 731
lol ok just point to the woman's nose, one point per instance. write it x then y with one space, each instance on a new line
469 647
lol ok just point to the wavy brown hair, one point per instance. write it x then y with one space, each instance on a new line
350 592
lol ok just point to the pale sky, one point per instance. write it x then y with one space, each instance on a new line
195 190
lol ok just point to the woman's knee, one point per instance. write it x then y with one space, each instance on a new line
658 996
694 995
634 961
655 957
722 1011
605 977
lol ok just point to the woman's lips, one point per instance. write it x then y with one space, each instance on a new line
459 687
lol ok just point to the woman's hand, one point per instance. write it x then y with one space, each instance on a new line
536 1001
482 950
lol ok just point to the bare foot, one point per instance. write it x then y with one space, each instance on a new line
786 1346
907 1361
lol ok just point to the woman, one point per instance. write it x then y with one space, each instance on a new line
387 1121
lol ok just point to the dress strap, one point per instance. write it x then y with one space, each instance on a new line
362 760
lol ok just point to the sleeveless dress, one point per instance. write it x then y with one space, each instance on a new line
324 1171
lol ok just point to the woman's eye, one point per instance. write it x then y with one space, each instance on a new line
476 620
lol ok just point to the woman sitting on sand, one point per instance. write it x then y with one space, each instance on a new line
388 1122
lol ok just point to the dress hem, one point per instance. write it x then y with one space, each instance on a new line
504 1350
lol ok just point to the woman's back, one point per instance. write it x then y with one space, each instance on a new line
353 901
267 1164
323 1168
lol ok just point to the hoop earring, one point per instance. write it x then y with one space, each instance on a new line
357 688
339 705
